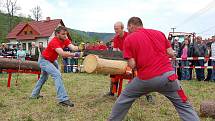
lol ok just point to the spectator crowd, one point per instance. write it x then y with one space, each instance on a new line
18 52
196 48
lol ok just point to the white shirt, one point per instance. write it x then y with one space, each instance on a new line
213 50
33 51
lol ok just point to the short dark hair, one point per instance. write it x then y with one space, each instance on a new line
135 21
58 29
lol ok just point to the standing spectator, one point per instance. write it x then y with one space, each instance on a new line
154 69
5 50
66 62
86 46
176 45
110 45
213 56
199 50
49 65
209 70
34 52
0 55
185 74
21 54
0 50
40 49
190 54
102 46
14 50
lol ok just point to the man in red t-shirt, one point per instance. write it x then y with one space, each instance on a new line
119 36
118 42
117 46
148 51
49 66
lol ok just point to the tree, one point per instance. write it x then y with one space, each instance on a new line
37 13
11 8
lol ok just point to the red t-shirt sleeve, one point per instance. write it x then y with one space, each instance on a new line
127 52
54 45
67 42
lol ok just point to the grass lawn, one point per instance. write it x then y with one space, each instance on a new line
86 91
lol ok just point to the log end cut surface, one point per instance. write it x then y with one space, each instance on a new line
207 109
90 63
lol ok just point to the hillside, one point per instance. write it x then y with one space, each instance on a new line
77 35
82 36
102 36
4 25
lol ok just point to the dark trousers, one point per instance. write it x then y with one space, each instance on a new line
169 88
199 71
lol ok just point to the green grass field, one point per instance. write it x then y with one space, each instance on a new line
86 91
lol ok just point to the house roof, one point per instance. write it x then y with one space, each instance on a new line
44 28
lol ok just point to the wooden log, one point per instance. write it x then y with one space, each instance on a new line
207 109
94 64
6 63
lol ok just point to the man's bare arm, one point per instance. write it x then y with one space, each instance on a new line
73 47
63 53
171 53
132 63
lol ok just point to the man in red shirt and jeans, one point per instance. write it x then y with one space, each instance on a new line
148 51
49 66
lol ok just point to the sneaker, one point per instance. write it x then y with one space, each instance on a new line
36 97
67 103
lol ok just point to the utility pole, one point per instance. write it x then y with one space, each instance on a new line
173 30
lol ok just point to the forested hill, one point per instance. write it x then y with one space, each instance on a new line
77 35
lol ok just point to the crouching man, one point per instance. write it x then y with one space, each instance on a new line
148 51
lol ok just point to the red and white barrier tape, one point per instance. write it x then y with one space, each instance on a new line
194 58
197 67
7 56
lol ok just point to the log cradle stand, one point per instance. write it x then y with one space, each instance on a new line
10 66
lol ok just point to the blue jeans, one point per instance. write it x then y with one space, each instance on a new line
185 74
49 68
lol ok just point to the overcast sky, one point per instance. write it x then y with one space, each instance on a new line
100 15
